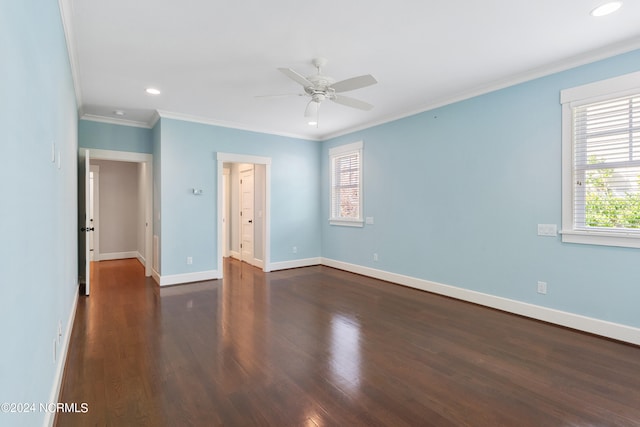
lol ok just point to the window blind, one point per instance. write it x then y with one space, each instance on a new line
345 201
607 164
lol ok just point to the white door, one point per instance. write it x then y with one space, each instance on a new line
94 203
84 219
92 198
246 216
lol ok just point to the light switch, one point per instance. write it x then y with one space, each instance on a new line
369 220
547 230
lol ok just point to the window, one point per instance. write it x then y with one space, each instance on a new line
601 162
346 185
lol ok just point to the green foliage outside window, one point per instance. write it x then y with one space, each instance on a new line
606 207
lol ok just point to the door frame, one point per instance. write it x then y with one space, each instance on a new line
226 209
266 230
147 192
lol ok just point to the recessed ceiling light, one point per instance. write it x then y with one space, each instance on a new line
152 91
119 113
606 9
313 123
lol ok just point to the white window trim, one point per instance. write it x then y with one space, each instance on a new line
338 151
574 97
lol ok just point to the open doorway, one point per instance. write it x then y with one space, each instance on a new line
117 210
144 232
243 212
244 209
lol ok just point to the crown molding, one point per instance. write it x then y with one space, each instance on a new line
66 14
113 121
529 75
208 121
154 119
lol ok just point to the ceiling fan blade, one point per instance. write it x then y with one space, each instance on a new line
296 77
354 83
351 102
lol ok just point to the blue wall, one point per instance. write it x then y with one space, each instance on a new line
38 211
457 192
106 136
188 223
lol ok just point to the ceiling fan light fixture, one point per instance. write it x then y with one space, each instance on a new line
606 8
312 112
152 91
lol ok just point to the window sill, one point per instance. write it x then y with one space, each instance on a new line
604 238
347 223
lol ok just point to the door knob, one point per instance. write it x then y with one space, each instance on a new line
250 221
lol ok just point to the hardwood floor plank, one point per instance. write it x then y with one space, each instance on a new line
317 346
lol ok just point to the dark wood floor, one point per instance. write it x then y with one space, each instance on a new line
321 347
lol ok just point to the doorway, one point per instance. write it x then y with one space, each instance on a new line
117 212
244 209
145 162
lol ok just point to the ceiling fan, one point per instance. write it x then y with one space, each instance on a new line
320 87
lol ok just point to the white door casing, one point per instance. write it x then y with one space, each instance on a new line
226 208
266 219
147 191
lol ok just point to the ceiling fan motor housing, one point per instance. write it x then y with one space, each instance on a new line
320 89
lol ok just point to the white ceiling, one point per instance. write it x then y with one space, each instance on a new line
210 58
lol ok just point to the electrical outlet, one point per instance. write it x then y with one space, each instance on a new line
542 288
189 260
59 331
294 249
375 257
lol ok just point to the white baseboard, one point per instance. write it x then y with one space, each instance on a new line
50 417
591 325
119 255
296 263
177 279
142 259
255 261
